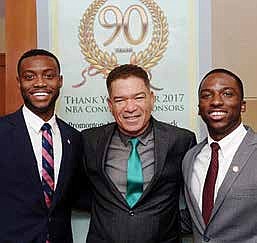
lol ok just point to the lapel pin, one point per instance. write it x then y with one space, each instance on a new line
235 168
68 141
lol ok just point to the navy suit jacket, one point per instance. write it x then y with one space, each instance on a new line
24 216
155 217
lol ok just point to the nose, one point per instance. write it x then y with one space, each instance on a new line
131 105
39 81
217 100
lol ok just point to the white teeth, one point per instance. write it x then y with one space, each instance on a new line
218 113
40 94
130 117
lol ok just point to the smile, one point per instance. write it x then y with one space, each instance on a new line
40 94
131 117
217 115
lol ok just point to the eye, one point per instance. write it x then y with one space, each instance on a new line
29 77
228 93
205 95
140 97
119 100
49 76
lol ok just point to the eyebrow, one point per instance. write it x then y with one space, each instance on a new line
222 89
134 95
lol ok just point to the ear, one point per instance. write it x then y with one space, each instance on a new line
61 80
152 97
110 105
18 81
243 106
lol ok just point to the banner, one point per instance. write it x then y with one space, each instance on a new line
92 37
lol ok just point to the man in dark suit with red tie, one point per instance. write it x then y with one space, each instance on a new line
134 165
40 163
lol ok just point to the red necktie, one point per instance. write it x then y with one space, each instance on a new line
209 184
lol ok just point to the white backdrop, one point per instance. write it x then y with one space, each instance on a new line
183 55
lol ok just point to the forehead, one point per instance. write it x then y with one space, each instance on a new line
128 85
219 81
38 62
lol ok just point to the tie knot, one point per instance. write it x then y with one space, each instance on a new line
134 142
215 146
46 127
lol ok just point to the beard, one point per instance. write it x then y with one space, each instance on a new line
38 109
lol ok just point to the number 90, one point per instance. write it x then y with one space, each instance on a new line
123 22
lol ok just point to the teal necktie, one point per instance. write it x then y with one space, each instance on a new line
135 178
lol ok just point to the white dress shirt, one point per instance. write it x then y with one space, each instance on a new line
228 147
34 124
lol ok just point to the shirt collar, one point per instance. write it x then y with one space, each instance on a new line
35 122
231 139
143 138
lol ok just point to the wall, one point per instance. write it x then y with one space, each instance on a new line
20 35
2 57
234 46
2 26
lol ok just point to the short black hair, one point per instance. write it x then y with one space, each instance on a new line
37 52
125 71
225 71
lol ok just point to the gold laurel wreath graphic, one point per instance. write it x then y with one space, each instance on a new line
103 62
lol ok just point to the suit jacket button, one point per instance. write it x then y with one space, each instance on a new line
205 238
131 213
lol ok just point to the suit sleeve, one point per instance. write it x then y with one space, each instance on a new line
185 219
82 194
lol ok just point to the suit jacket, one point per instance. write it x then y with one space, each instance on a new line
155 217
233 217
25 217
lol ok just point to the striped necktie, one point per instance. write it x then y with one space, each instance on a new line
47 164
135 178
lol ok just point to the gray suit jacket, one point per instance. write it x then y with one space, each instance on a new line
234 217
155 217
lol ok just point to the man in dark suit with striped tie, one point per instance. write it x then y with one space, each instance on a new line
40 163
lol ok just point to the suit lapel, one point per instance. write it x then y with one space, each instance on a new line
24 144
197 150
161 146
102 146
193 205
65 161
240 159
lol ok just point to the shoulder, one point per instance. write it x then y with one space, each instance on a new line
190 156
97 131
195 149
174 130
179 140
92 137
63 126
95 134
9 121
